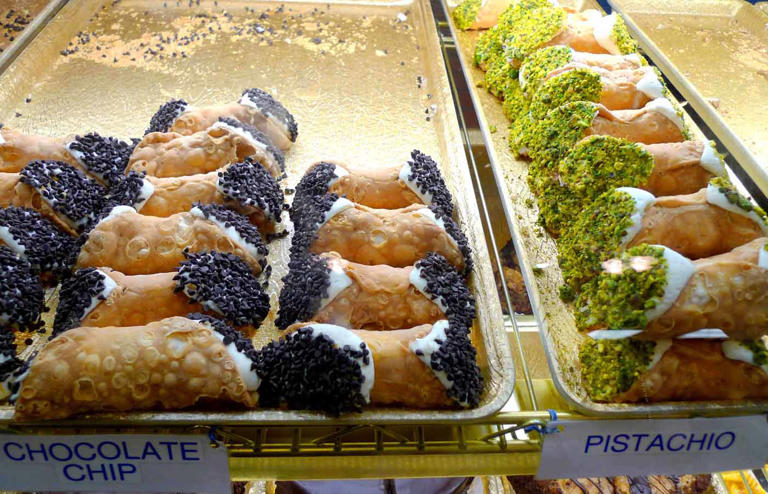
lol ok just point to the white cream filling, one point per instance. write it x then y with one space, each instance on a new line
643 199
229 231
338 172
109 286
603 31
2 139
734 350
115 212
338 282
679 271
405 172
426 346
146 191
659 348
650 85
438 221
342 337
7 239
245 100
664 106
341 204
719 199
242 363
710 161
17 379
420 283
180 112
613 334
4 358
635 58
242 133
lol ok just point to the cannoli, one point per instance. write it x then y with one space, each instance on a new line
255 108
50 251
334 369
541 63
631 371
551 138
136 244
169 365
226 141
328 289
397 237
478 14
21 294
418 181
17 149
650 484
654 289
245 187
12 368
217 282
55 189
703 224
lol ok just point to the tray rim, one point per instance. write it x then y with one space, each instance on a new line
605 410
495 340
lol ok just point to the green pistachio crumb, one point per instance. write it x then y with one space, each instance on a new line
488 47
611 367
554 135
466 13
540 63
531 30
492 129
621 36
574 85
725 187
567 294
515 104
759 352
499 76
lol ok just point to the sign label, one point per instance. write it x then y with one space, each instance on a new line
152 463
588 448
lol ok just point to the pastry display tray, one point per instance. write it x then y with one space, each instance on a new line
366 82
538 259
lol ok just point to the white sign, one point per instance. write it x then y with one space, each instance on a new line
115 462
604 448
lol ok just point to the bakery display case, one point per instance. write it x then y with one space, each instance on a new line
363 97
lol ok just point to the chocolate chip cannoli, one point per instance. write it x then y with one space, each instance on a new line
255 108
21 294
328 289
215 282
245 187
418 181
334 369
136 244
397 237
663 294
57 190
170 364
225 141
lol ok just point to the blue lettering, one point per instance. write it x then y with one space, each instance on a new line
185 451
68 474
80 455
125 469
709 444
127 455
669 442
100 449
149 449
31 452
729 435
169 446
621 441
638 437
590 442
100 471
67 451
657 442
9 455
112 471
700 442
607 442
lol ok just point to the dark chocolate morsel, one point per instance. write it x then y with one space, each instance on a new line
164 117
21 294
445 284
251 185
103 157
75 297
270 106
304 287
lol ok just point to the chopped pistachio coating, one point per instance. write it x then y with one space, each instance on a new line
574 85
621 36
466 13
520 131
619 298
596 235
488 47
517 10
531 30
515 104
555 134
725 187
611 367
499 76
540 63
759 352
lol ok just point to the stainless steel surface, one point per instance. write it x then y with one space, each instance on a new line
536 249
348 71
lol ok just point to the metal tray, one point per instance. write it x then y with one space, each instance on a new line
535 249
40 12
366 82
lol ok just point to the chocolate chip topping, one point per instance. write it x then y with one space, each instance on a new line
259 136
458 236
445 284
457 358
164 117
75 297
240 223
314 183
104 157
426 175
223 283
49 250
14 367
309 372
126 191
304 287
250 184
7 345
231 335
21 295
313 211
68 191
270 106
